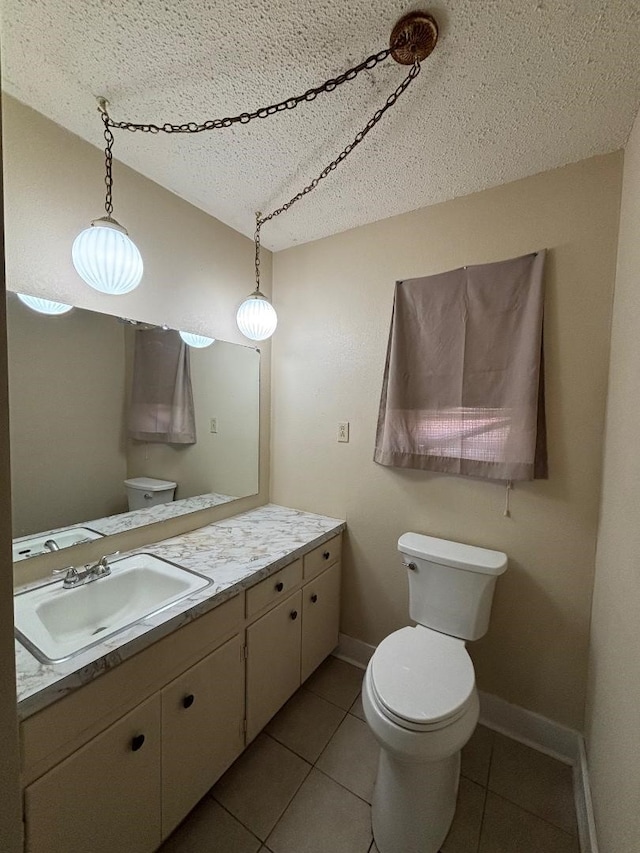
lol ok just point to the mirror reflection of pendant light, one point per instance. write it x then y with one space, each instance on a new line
44 306
197 341
103 254
111 263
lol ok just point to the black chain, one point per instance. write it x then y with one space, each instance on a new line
243 118
393 97
264 112
108 162
256 239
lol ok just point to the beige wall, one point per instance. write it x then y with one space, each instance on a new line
225 380
197 270
66 407
334 300
613 716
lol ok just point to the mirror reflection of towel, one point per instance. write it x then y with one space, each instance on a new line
161 404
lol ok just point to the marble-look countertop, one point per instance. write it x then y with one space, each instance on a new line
123 521
161 512
236 553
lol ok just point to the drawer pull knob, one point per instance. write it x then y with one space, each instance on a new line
188 700
279 586
326 555
136 742
314 598
294 614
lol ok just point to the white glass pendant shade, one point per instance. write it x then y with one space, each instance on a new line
198 341
256 317
44 306
106 258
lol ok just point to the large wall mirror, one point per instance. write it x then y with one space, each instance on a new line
70 386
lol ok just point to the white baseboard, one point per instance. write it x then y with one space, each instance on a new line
529 728
584 804
532 729
354 651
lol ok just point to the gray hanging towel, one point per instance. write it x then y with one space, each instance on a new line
161 405
463 387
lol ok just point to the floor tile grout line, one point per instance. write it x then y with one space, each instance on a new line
304 757
284 811
513 803
533 814
344 787
331 702
237 819
486 795
328 743
289 801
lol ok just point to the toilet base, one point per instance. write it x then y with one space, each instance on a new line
414 803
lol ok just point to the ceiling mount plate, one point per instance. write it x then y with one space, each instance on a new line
413 38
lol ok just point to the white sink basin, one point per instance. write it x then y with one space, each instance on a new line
56 623
30 546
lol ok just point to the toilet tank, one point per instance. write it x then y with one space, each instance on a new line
450 585
143 492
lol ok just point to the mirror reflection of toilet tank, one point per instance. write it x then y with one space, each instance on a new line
143 492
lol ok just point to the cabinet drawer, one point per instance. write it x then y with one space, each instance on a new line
274 588
322 557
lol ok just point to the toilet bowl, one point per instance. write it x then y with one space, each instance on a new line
421 730
419 693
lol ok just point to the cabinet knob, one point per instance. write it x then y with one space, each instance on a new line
294 614
188 700
314 598
279 586
136 742
326 555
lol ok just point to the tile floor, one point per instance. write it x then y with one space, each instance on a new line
305 784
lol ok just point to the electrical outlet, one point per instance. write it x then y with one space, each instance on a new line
213 425
343 431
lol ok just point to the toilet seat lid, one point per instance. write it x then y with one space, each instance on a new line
422 676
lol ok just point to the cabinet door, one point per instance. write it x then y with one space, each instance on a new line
273 662
320 619
104 797
202 729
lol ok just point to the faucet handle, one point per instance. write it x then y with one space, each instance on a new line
63 571
102 566
71 576
108 557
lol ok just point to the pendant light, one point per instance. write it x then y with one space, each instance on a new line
256 317
197 341
44 306
103 254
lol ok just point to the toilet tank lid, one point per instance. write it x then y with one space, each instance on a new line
447 553
150 484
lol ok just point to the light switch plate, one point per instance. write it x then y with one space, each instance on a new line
343 431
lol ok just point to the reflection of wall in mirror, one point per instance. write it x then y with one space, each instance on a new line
225 378
66 400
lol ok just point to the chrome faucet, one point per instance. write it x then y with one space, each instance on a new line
87 574
51 545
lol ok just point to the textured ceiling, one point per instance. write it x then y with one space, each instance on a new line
514 87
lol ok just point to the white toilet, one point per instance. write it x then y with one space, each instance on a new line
419 692
143 492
